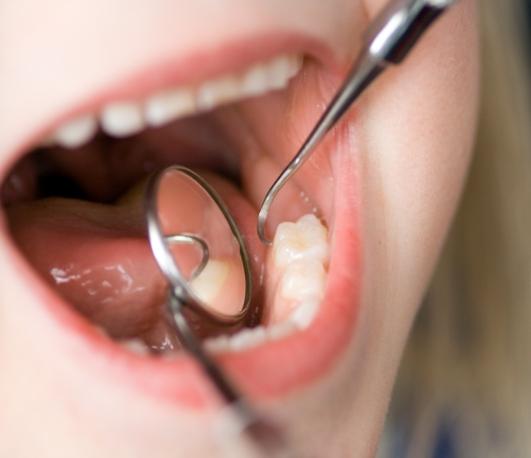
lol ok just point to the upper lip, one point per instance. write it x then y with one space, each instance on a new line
257 370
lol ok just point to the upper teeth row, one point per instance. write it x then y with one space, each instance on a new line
128 117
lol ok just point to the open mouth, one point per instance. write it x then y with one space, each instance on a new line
72 199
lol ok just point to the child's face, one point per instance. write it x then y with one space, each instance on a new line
386 182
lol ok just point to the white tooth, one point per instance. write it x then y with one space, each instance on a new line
303 315
280 330
305 239
122 119
170 105
247 338
255 80
217 344
213 93
76 132
209 283
303 280
295 65
280 71
136 346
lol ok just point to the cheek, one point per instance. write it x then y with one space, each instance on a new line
419 125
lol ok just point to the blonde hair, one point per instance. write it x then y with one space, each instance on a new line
468 363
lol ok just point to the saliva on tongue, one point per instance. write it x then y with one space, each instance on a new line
97 257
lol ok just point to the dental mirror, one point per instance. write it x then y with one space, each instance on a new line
198 248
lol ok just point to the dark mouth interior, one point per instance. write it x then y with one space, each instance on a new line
66 197
106 167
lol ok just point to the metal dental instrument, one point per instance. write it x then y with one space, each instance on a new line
187 311
390 37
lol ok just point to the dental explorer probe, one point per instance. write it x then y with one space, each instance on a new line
390 37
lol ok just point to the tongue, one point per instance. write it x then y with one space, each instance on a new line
98 258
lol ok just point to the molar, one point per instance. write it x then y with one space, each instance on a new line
303 280
300 256
304 240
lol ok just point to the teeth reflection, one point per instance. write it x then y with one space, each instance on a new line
209 283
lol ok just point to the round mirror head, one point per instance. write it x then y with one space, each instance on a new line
198 246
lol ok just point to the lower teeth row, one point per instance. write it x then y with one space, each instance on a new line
298 265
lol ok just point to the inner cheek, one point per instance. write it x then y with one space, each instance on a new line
281 125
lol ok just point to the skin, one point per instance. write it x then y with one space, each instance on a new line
412 136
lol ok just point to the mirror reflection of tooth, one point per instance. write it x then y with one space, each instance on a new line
209 283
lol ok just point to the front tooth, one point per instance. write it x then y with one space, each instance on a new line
122 119
170 105
214 93
303 280
76 132
305 239
209 283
